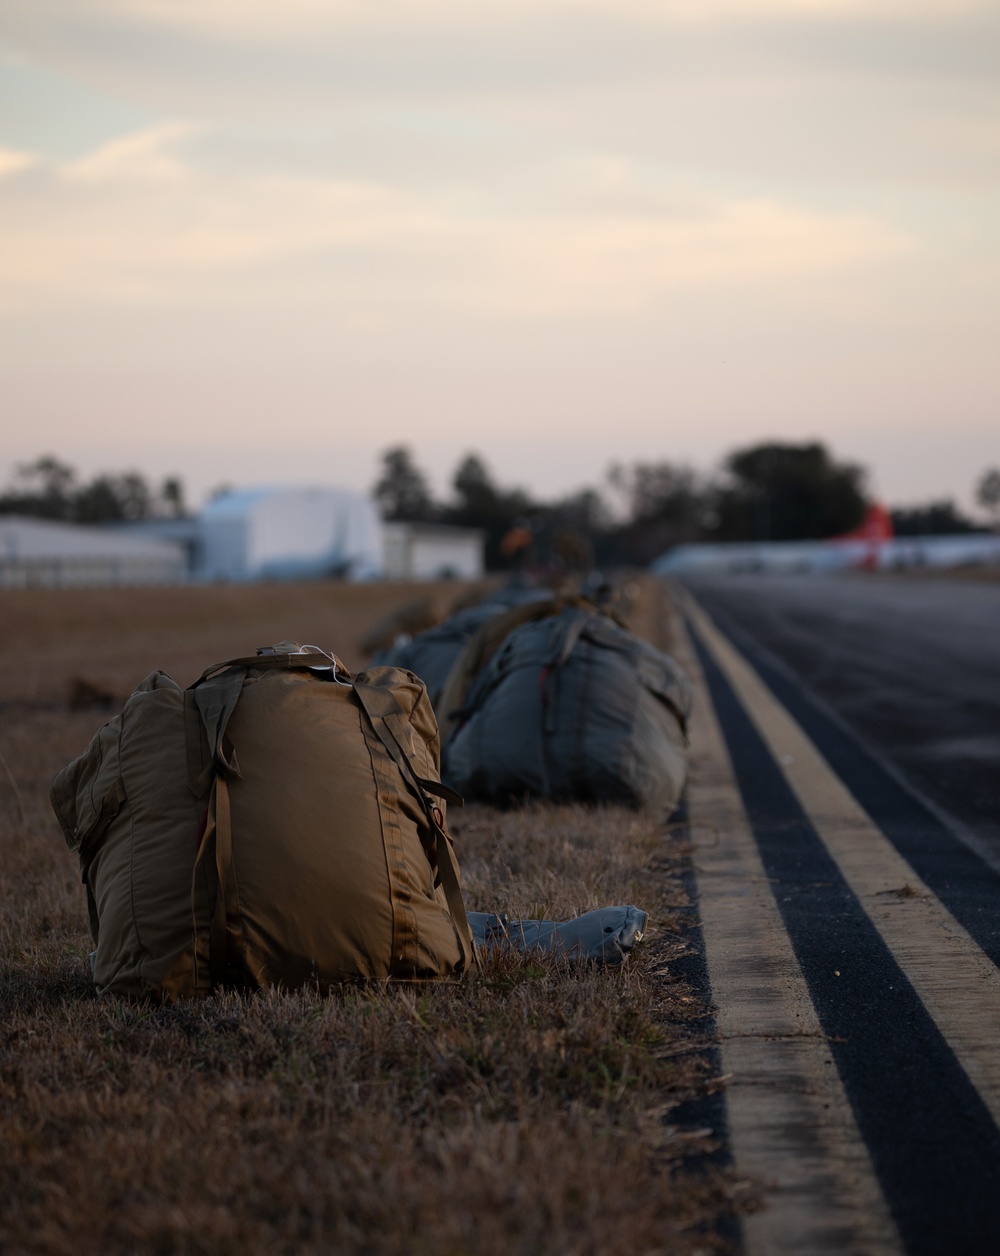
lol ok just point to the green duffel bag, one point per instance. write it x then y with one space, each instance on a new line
280 823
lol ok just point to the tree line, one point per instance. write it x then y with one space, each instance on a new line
770 491
50 489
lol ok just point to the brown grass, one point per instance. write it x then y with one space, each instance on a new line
114 637
525 1111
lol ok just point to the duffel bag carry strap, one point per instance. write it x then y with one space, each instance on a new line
216 702
569 633
226 944
217 692
218 688
216 695
384 712
563 643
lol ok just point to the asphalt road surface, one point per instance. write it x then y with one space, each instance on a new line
844 806
911 665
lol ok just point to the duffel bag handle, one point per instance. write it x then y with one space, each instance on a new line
273 659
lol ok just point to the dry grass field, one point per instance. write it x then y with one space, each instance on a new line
527 1110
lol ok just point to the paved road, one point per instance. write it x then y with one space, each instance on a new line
850 930
913 666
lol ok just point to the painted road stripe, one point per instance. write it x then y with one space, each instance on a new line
791 1125
944 855
934 1144
955 981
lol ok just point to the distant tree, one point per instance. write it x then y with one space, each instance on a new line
572 533
172 498
481 503
584 511
475 491
402 491
97 502
988 494
49 489
109 498
937 518
43 488
665 504
781 492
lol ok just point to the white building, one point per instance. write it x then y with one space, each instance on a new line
252 534
284 533
42 552
429 551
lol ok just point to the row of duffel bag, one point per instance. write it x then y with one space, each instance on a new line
553 697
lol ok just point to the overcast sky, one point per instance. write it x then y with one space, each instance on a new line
256 242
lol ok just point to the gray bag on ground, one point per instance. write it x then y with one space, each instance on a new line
605 936
572 708
431 654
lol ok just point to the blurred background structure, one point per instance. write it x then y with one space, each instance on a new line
773 507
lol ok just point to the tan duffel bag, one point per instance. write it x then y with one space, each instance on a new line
280 823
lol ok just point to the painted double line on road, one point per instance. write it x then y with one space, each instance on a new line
858 1021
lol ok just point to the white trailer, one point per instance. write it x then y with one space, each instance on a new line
429 551
288 533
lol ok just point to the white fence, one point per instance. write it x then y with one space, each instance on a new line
60 573
38 553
